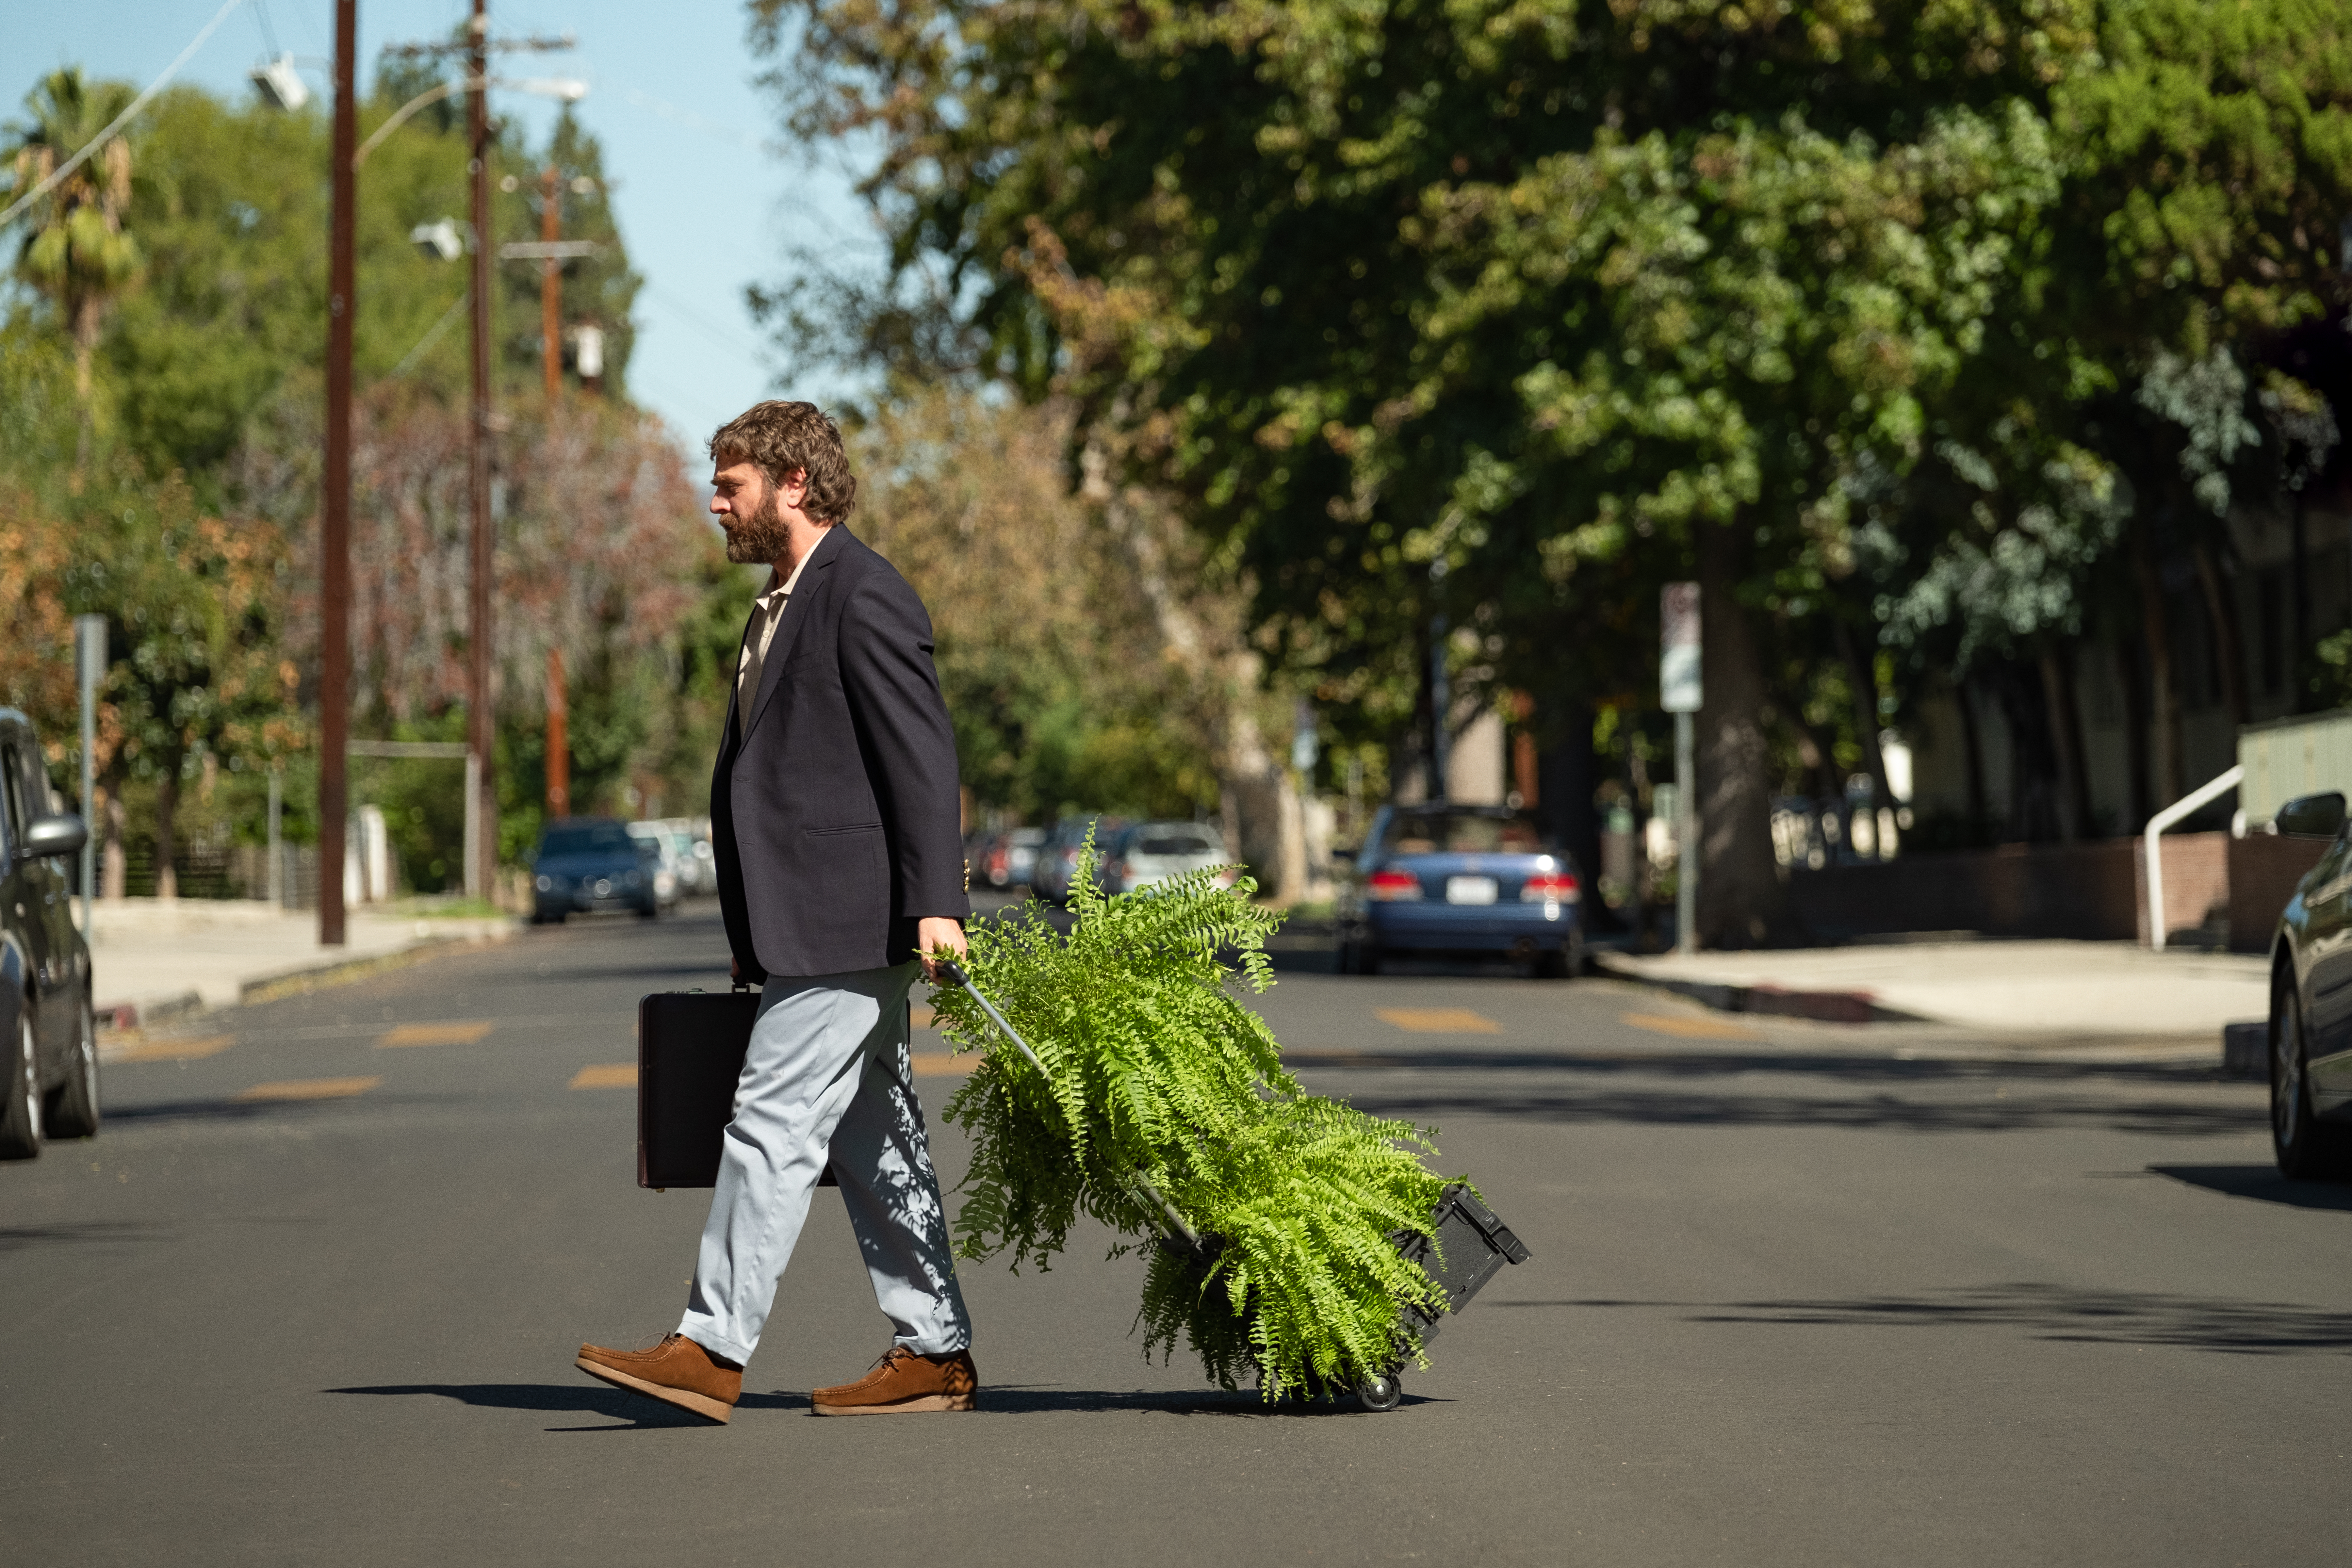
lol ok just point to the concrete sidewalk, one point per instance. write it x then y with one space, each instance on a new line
2083 989
154 958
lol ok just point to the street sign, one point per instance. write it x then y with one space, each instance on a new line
1680 695
1678 661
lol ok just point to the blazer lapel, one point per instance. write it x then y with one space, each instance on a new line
788 625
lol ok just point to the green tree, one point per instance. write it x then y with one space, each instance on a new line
75 250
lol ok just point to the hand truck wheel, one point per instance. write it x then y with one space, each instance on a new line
1381 1391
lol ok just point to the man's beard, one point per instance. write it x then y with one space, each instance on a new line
761 538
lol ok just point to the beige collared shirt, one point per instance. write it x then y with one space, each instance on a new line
769 611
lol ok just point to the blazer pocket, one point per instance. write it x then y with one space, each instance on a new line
836 832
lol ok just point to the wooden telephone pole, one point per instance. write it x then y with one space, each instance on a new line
550 283
335 507
558 745
481 730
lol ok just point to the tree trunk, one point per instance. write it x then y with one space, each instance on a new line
167 806
1864 678
2163 697
2066 744
2136 737
2221 608
1568 776
85 336
1972 742
2299 576
1742 902
1261 803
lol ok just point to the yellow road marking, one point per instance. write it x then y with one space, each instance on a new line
455 1032
1439 1020
940 1064
310 1088
923 1016
613 1075
172 1050
1687 1027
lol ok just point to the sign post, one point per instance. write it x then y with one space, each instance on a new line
89 667
1680 694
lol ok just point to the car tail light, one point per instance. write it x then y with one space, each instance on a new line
1390 887
1549 888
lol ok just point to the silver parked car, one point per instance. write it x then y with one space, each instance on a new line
1153 852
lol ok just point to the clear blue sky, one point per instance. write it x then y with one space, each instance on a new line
706 202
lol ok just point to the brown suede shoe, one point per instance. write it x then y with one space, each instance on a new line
902 1382
678 1372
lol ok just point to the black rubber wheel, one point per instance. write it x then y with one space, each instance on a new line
72 1109
2306 1146
1380 1391
20 1094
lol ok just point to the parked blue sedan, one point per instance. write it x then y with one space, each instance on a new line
1460 880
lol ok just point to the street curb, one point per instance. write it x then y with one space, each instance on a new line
2246 1049
122 1016
341 971
127 1017
1823 1006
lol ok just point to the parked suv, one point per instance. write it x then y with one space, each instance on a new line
48 1028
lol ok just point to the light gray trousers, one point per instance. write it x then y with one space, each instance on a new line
827 1077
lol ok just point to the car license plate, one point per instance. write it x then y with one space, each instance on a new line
1469 889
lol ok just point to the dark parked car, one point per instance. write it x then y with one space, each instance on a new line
48 1030
2311 1000
1462 879
1057 857
590 863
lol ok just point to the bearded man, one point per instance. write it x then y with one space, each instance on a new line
834 816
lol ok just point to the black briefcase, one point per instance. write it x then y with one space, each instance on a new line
690 1047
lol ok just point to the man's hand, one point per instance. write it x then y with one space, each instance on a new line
933 932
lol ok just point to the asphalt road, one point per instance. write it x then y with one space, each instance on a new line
313 1294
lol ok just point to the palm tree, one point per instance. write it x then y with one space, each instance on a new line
75 250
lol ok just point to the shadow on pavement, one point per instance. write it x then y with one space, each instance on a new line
2262 1183
69 1233
641 1413
1686 1108
2053 1312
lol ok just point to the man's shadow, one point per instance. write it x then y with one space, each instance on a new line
627 1412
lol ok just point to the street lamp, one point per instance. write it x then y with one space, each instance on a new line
278 84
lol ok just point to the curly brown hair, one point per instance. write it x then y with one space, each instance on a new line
781 439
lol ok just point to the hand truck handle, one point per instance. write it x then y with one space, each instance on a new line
952 973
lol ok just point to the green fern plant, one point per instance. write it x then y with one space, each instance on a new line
1159 1079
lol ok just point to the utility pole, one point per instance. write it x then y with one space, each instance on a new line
335 512
559 746
481 734
551 285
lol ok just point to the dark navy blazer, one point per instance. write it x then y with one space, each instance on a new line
836 818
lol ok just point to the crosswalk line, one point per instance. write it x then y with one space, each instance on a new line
1688 1029
449 1032
1438 1020
606 1075
172 1050
309 1089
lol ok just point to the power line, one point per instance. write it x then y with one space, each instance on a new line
433 335
138 103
